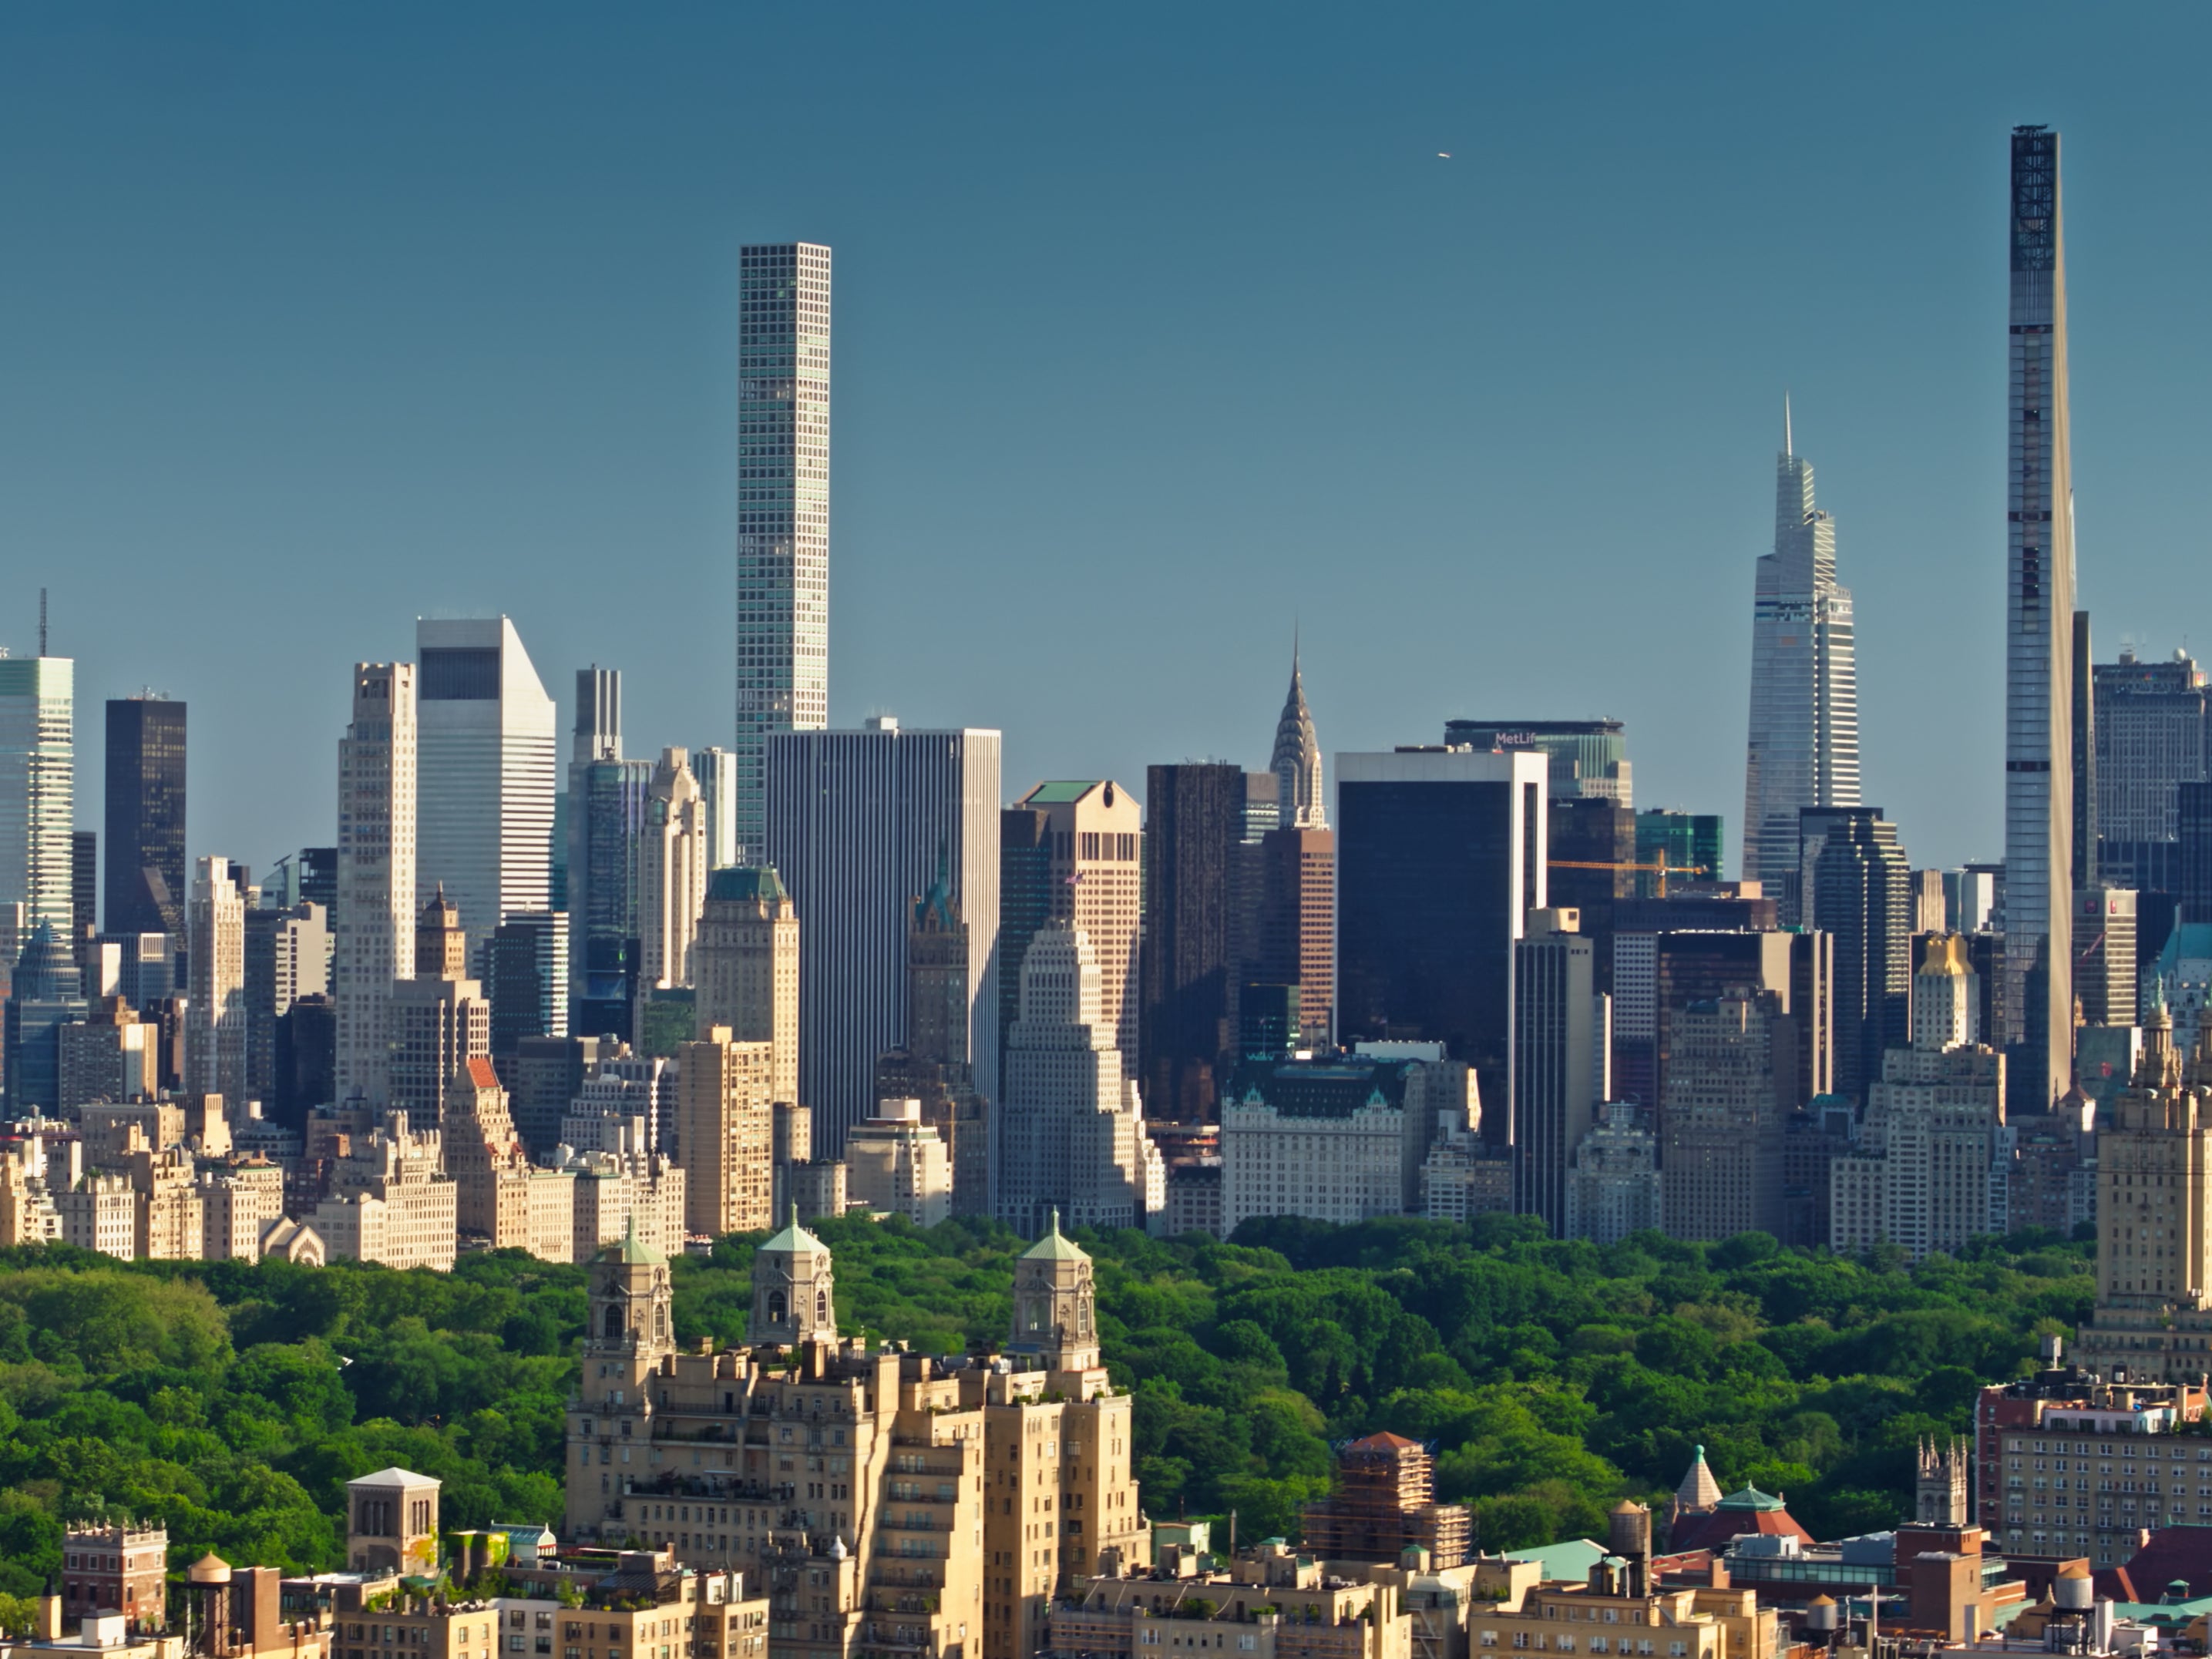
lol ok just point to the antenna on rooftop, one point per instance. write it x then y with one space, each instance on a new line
42 622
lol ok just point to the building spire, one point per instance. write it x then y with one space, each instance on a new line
1788 446
1296 761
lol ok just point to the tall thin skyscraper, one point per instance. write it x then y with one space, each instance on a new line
2038 632
217 1016
486 759
1804 747
38 772
376 873
783 510
145 811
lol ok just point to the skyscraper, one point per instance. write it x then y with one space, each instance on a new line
286 957
38 777
2039 631
1094 833
440 1018
783 511
933 1069
671 874
485 764
855 826
1301 802
145 810
1557 1037
1440 857
375 910
1190 963
1857 895
2152 734
747 969
1804 747
1589 757
215 1046
1071 1137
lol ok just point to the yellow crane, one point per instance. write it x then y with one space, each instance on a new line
1662 867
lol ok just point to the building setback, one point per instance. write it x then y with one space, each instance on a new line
1804 745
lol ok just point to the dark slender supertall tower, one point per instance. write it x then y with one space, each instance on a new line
1192 957
145 828
2039 633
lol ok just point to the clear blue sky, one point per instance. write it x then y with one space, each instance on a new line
1158 328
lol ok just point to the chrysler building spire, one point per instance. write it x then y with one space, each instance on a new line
1296 761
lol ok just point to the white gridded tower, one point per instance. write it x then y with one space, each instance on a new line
783 510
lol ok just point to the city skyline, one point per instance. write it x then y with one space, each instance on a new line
456 529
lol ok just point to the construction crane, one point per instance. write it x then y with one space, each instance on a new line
1662 867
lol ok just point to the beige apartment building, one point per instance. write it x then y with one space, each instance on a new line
745 968
725 1133
1097 835
391 1201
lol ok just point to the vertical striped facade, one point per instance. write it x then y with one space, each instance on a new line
853 824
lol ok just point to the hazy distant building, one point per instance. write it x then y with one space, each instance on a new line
1587 758
215 1043
84 892
1558 1038
1296 929
286 957
527 975
898 1165
1440 854
1025 902
2104 955
145 814
932 1068
2039 611
1590 843
486 756
1071 1134
1658 975
1929 1173
1613 1184
1192 959
1728 1085
1690 845
783 515
1804 742
716 768
375 912
440 1018
746 967
1094 836
45 993
856 824
1858 898
604 837
38 771
2152 738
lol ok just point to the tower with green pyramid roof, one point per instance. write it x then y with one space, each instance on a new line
1055 1305
630 1310
793 1290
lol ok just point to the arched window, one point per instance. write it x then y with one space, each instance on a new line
661 1321
822 1307
614 1325
776 1308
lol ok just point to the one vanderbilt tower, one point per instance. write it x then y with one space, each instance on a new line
783 509
2039 631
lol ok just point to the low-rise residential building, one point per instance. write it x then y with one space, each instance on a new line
1272 1603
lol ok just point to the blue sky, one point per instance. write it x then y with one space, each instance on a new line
1158 329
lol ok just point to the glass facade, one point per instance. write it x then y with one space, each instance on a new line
783 509
1804 743
38 752
1432 873
145 813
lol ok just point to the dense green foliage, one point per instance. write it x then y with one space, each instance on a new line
233 1401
